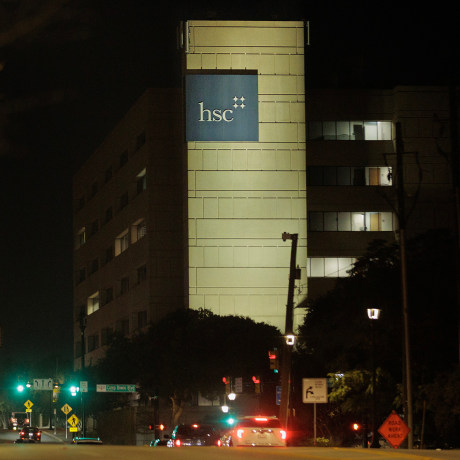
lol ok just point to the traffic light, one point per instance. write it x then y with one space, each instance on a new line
159 427
356 426
20 388
274 360
227 382
256 380
74 390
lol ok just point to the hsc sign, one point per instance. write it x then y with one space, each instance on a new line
222 107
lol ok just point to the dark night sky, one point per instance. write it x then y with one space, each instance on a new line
68 75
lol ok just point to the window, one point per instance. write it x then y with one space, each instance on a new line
94 227
124 285
140 140
139 320
123 158
329 267
92 304
344 221
108 174
121 243
350 175
138 230
106 335
350 130
109 253
94 188
108 214
80 275
107 296
141 273
81 203
81 237
94 266
122 326
124 200
93 342
141 181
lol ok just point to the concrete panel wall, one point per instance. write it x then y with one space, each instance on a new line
243 195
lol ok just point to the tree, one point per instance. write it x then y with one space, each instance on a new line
335 336
189 351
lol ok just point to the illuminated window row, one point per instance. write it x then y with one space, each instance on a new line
349 175
350 130
329 267
121 243
350 221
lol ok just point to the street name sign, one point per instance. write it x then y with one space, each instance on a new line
314 390
43 384
84 386
115 388
394 430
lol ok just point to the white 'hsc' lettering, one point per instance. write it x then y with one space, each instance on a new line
217 115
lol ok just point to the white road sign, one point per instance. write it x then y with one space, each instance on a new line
43 384
314 390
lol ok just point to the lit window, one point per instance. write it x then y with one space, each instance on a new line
121 243
138 230
81 237
350 130
344 221
329 267
92 304
141 181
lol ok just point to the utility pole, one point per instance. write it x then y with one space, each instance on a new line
288 331
82 370
405 304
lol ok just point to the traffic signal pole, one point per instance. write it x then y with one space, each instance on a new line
289 325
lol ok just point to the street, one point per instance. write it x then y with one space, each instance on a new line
54 448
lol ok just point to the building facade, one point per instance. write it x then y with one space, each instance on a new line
352 175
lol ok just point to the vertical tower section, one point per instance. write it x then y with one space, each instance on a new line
245 135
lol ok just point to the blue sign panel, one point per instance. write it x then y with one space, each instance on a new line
222 108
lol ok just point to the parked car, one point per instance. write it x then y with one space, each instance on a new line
160 441
194 434
258 430
30 434
78 440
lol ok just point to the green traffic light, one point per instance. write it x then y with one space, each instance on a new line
20 388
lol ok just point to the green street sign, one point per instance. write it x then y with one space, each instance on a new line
115 388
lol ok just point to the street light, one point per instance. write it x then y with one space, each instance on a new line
374 315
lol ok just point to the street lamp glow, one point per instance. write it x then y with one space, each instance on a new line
290 339
373 313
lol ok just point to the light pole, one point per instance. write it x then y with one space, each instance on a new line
373 314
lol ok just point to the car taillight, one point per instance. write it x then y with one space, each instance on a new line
21 433
219 443
39 434
239 433
177 442
283 434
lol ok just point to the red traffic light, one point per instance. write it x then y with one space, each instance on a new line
356 426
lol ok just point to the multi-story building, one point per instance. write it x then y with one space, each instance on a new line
351 172
167 217
129 225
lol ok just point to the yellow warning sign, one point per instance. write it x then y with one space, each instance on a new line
28 404
66 409
73 420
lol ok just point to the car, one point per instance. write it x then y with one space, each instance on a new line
78 440
256 430
160 441
30 434
194 434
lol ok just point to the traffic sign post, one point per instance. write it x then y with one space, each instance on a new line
394 430
314 391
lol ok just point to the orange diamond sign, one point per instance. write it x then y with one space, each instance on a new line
394 430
